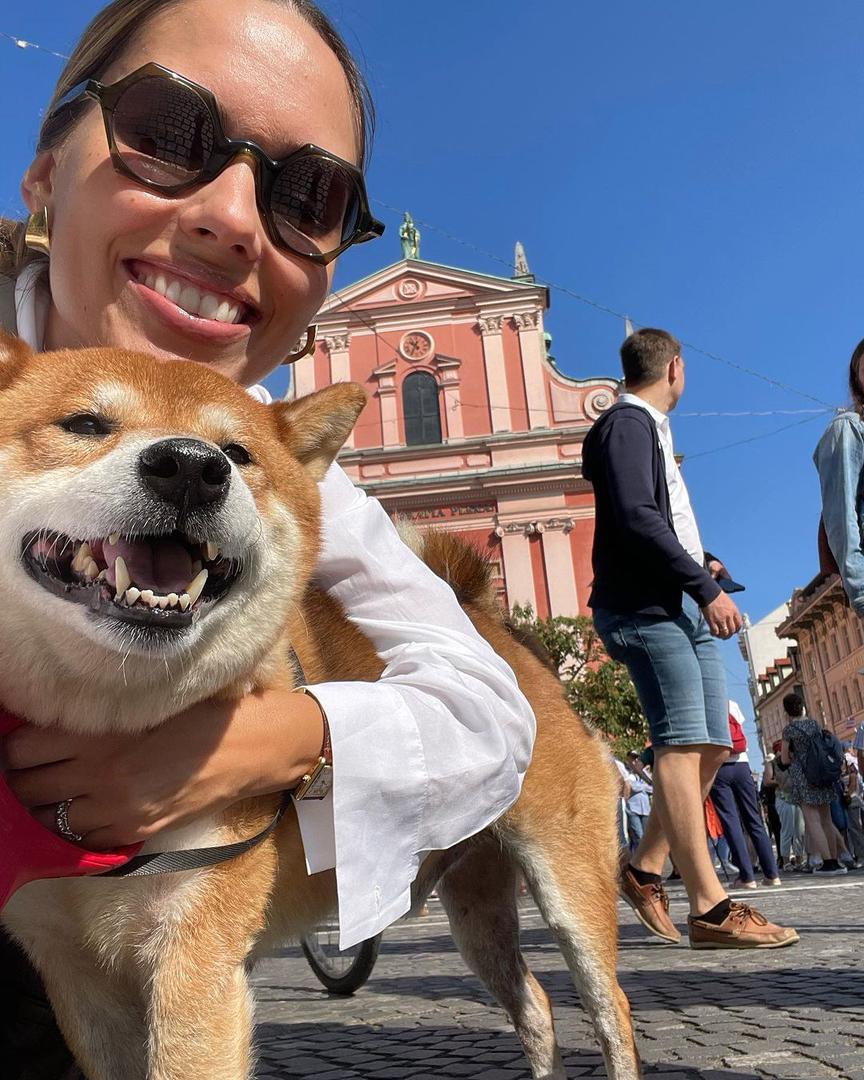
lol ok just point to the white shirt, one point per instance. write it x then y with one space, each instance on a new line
734 759
683 518
425 757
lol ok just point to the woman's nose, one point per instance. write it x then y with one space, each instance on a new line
225 211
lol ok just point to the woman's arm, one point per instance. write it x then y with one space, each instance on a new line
785 751
839 459
433 751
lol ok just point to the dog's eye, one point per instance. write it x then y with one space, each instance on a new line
87 424
237 453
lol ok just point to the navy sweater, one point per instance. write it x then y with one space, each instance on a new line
639 564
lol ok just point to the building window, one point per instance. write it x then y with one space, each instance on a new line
420 409
844 639
856 694
847 704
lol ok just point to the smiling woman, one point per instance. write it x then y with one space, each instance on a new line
199 169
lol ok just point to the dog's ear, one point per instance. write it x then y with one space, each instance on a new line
13 353
316 426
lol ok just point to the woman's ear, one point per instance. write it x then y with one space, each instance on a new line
37 186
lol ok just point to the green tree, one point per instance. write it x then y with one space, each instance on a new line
599 689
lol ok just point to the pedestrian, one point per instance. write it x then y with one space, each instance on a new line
623 796
793 852
858 749
150 231
734 796
657 609
809 789
768 799
854 795
638 802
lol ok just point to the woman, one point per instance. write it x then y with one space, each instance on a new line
162 237
839 459
815 801
792 852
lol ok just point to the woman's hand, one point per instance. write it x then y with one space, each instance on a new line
127 788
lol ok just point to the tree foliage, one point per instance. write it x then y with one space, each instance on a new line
598 688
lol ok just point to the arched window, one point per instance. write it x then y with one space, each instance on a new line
420 408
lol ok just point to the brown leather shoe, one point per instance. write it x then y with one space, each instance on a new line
743 928
650 905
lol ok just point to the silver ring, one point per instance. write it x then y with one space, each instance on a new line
61 820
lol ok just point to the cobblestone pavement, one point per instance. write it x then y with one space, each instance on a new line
795 1013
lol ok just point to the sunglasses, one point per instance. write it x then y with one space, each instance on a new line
165 132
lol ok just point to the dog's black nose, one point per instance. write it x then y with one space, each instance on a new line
185 472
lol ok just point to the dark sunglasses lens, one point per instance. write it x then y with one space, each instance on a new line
163 131
315 203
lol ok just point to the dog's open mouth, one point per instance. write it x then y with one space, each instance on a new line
161 581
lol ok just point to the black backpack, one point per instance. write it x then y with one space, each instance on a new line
821 760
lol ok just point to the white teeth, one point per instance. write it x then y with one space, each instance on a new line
185 602
209 306
121 576
196 586
147 596
132 596
173 599
211 551
162 602
102 575
113 538
192 300
153 602
91 570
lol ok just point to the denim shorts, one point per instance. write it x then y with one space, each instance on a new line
677 670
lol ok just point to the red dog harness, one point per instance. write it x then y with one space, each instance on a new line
29 851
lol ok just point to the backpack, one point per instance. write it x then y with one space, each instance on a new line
739 739
821 759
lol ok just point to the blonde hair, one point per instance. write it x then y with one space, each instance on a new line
105 40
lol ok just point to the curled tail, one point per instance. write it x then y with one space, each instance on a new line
466 570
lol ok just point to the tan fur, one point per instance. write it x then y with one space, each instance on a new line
147 976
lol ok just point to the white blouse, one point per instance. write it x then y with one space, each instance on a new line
431 753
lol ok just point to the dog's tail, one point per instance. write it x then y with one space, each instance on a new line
464 567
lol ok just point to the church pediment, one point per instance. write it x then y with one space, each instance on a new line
413 282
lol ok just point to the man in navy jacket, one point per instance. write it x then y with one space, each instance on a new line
658 610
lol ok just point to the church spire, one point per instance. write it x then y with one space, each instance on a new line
628 327
520 263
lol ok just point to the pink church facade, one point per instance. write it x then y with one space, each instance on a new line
469 425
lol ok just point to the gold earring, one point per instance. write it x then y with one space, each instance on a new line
305 348
37 236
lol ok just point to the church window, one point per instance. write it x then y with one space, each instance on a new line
420 409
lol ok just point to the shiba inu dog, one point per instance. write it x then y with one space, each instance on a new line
159 531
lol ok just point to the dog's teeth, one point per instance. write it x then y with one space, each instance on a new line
153 602
121 576
132 596
162 602
147 596
102 575
91 570
113 538
197 567
185 602
173 599
81 558
196 586
211 551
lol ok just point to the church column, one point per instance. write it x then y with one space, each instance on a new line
531 348
560 572
303 372
340 368
518 574
451 402
496 376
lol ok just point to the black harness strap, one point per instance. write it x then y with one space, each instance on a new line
173 862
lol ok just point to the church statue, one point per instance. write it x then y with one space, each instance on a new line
409 234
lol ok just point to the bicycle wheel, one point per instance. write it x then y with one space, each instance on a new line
340 971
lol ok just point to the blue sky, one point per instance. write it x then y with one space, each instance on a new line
698 167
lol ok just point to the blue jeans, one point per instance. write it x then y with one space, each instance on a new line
636 828
735 799
677 670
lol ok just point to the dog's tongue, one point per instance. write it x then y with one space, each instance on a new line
165 566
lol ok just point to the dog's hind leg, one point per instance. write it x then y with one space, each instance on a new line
479 896
577 896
